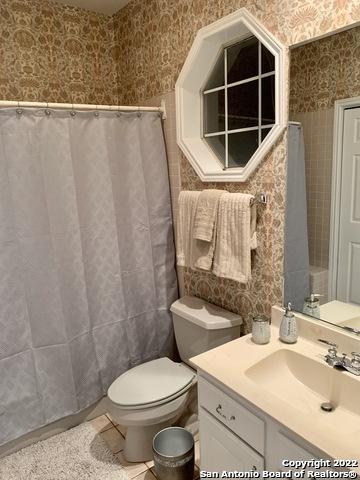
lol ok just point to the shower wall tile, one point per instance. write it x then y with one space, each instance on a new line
55 53
318 140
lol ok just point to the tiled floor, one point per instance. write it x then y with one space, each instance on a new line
113 435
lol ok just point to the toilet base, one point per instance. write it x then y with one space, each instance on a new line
138 442
143 424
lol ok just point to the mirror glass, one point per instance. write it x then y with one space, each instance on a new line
322 240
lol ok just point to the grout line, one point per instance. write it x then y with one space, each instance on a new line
123 436
115 453
106 429
110 420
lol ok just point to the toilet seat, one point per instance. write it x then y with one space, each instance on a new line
151 384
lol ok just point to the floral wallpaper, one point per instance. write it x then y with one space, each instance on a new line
52 52
324 71
154 38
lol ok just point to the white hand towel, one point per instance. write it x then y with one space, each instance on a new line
184 234
205 225
234 238
206 214
253 220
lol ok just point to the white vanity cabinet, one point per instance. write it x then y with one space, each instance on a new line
222 450
235 436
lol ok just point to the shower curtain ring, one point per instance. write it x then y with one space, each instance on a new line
47 110
72 113
96 113
139 112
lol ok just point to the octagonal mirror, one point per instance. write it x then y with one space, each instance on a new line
230 107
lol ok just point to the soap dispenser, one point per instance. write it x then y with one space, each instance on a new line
288 327
312 305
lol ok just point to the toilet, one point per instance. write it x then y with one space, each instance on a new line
152 396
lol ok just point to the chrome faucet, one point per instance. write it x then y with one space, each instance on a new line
334 360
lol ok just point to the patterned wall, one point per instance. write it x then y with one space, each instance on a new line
51 52
63 54
324 71
154 37
158 35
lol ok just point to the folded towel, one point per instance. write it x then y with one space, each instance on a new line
205 224
235 237
203 254
184 234
206 214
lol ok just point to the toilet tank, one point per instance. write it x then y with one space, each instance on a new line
200 326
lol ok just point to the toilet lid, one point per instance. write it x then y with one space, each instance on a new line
150 382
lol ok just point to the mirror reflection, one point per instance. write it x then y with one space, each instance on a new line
323 215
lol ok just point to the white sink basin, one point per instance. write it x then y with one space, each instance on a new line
305 383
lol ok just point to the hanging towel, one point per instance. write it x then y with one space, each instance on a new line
235 238
184 235
253 219
206 214
205 225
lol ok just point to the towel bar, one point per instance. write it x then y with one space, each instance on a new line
260 198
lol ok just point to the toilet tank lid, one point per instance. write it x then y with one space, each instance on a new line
204 314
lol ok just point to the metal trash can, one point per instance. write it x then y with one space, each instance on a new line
173 450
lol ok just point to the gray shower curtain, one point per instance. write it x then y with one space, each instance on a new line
86 258
296 261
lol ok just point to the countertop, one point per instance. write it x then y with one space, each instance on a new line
328 432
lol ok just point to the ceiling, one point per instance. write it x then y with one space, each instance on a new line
104 6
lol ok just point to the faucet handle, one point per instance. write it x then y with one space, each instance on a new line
333 347
355 359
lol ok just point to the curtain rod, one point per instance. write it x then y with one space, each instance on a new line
76 106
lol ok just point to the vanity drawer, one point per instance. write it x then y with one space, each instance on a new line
222 450
237 418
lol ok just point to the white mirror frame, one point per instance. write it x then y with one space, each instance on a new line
197 68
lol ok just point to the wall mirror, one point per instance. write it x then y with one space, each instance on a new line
325 109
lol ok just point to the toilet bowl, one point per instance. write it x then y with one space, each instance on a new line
152 396
147 399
